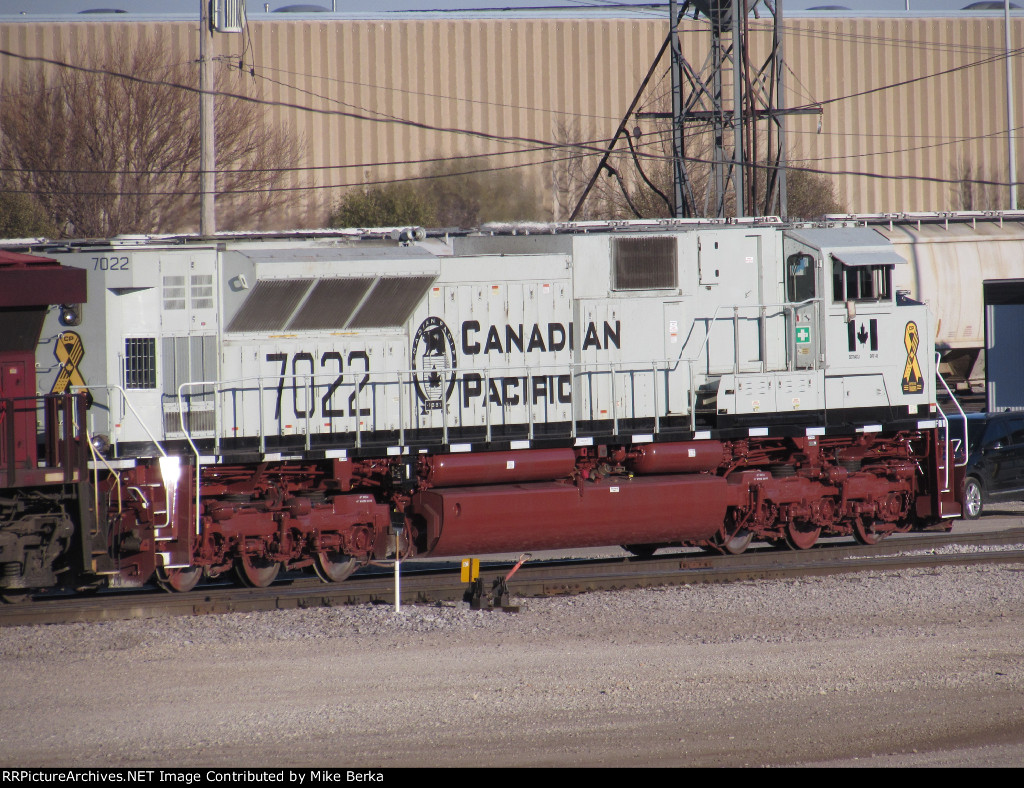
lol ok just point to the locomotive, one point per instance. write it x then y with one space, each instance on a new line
318 401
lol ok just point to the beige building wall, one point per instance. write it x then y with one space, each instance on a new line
372 99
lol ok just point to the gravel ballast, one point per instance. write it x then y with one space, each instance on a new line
918 667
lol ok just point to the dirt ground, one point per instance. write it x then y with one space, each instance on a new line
922 668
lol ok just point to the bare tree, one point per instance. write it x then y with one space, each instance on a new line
973 191
571 165
113 145
622 189
638 178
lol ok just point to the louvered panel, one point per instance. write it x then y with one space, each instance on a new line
331 304
270 305
392 301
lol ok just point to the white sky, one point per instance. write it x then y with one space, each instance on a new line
50 7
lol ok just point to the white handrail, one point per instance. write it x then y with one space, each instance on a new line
945 424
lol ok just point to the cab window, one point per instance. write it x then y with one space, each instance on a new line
861 282
800 277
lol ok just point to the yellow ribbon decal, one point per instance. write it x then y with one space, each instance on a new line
68 351
913 381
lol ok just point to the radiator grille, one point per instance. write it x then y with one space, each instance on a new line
644 263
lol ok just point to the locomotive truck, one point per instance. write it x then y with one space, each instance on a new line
318 401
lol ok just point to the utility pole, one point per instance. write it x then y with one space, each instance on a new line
207 141
1010 114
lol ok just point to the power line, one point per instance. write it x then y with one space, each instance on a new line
591 145
507 139
422 94
503 138
487 170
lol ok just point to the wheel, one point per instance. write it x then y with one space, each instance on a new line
641 550
972 499
738 542
16 596
256 572
866 533
333 567
801 536
732 544
181 580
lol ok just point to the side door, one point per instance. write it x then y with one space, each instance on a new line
1014 462
801 289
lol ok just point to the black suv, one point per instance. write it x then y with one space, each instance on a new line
995 458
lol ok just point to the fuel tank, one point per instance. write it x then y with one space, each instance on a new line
552 515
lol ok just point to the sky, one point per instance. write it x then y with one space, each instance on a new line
255 7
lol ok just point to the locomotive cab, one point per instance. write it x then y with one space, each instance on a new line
875 346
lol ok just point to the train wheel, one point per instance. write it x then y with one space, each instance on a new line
865 532
737 542
181 580
16 596
641 550
733 544
801 536
256 572
333 567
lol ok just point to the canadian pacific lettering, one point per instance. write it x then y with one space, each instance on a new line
513 390
549 338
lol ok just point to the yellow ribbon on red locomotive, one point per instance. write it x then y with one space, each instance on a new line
69 351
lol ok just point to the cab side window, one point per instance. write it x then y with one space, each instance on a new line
799 277
861 282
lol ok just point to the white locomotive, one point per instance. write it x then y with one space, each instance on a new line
321 400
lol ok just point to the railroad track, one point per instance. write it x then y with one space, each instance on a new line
426 582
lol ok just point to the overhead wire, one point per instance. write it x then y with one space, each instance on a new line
425 94
365 115
690 159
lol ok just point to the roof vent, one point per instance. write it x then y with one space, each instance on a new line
228 16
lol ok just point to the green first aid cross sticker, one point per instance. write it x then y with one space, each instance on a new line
803 335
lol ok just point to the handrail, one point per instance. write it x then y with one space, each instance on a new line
195 449
945 420
404 379
790 307
96 473
124 398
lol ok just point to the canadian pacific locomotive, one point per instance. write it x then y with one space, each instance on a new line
247 404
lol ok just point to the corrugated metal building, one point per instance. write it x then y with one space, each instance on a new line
905 98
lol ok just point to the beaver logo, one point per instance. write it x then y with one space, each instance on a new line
433 363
